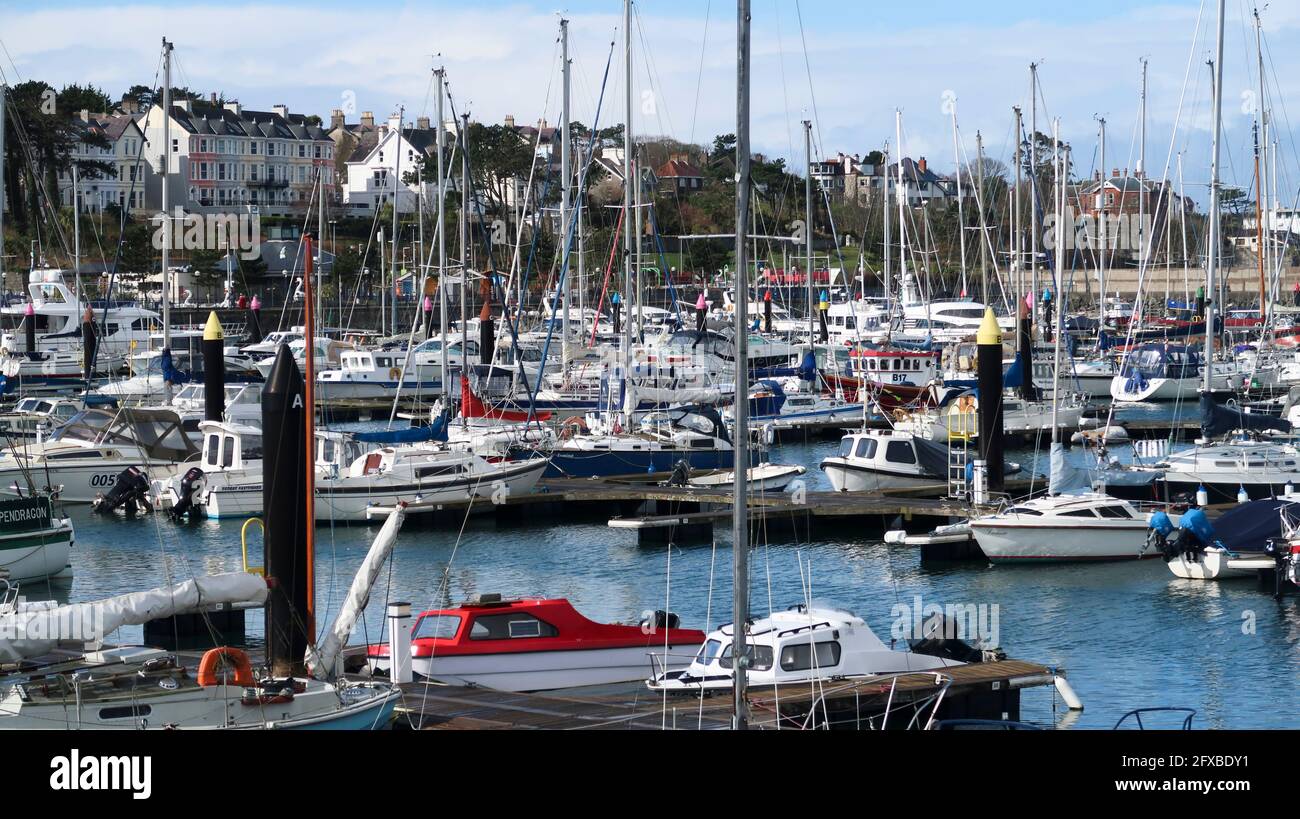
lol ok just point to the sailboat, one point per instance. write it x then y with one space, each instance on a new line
1063 525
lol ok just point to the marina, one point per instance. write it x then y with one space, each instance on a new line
449 421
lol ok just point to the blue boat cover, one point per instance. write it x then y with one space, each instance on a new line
437 431
1246 527
1218 420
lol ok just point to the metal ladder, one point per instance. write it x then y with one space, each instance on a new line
961 426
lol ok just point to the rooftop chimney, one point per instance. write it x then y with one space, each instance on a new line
510 120
422 123
282 110
336 118
367 119
921 165
85 115
213 97
234 107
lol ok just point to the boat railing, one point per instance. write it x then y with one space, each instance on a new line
926 707
1136 716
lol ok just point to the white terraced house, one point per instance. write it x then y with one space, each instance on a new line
228 159
125 141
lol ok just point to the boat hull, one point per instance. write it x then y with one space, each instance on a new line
549 670
1023 542
41 555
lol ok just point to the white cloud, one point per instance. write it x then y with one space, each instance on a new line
503 60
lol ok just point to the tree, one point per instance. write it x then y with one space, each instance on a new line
207 270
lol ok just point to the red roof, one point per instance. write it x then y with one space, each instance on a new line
679 168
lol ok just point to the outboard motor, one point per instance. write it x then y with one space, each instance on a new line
130 492
939 639
191 486
1194 535
661 620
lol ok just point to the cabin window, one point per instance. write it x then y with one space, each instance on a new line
1024 510
214 443
866 448
125 712
760 657
707 652
799 656
846 446
1079 513
1114 512
252 447
510 626
900 452
228 451
436 626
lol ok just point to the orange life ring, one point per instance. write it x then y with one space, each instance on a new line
208 675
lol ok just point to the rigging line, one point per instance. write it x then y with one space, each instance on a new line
699 76
812 94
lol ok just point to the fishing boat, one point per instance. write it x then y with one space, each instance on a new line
536 644
872 460
363 374
35 543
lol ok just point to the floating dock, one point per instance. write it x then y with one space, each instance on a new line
973 691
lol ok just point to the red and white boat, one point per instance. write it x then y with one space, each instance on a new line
535 645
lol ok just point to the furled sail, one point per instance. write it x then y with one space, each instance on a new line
31 632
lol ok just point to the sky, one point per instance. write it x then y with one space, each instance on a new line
847 66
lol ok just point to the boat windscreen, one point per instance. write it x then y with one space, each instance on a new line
87 425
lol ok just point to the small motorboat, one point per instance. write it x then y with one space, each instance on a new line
535 644
764 477
1234 546
802 645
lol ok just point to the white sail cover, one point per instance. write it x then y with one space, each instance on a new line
325 661
33 631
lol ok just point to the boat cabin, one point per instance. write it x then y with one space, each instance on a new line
229 446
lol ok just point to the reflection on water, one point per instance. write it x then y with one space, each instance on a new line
1128 634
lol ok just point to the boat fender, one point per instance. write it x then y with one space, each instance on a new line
232 657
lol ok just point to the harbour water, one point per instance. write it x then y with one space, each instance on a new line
1129 635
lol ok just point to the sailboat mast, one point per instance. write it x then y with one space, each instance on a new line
397 206
76 232
980 190
740 509
1212 243
808 231
1033 180
564 197
1103 232
961 214
1261 172
1141 177
1059 276
1017 238
627 190
168 226
443 380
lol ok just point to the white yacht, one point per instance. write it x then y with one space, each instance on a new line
227 480
1087 526
83 458
58 316
420 475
